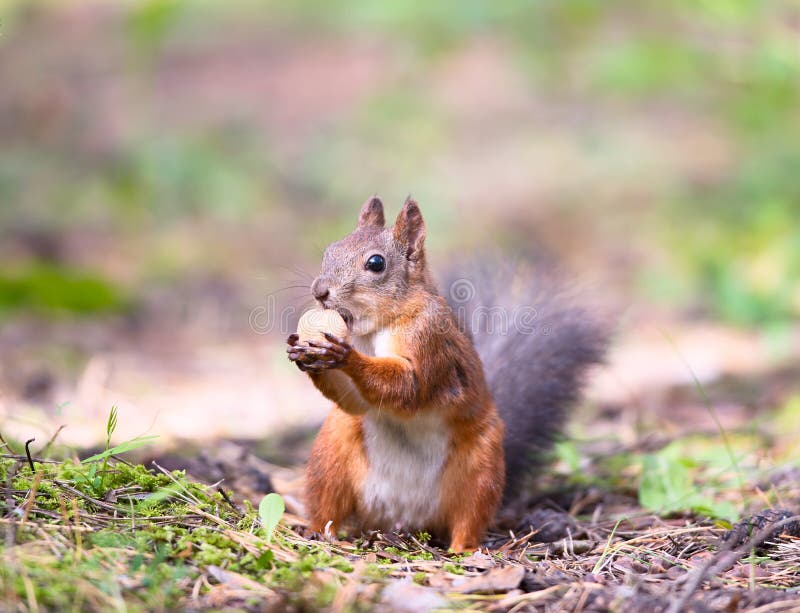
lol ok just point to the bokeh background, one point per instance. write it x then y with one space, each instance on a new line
169 168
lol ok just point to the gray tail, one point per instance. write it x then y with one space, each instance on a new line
536 344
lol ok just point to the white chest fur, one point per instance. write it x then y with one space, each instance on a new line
406 458
376 344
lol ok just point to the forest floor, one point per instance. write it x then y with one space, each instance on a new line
673 496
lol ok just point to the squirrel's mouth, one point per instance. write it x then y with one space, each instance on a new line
347 316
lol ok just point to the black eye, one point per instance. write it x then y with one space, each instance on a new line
375 263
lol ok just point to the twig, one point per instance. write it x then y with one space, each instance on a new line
606 549
437 556
230 502
28 453
94 501
725 558
52 440
6 445
711 411
31 498
192 499
16 456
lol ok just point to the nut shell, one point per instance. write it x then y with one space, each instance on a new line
314 322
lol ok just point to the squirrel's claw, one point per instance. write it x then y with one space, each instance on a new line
316 352
337 351
337 340
318 365
299 356
339 346
308 364
316 356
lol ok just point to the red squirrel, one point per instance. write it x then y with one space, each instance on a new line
415 440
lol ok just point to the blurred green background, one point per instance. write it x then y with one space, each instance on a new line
169 148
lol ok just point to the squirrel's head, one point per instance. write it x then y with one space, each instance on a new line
366 276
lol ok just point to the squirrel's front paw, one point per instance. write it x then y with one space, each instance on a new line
298 354
319 355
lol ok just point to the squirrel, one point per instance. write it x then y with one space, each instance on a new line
433 422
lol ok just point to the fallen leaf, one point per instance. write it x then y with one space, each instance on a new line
441 580
408 597
478 560
494 581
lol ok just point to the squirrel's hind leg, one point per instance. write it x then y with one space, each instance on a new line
469 519
472 484
336 468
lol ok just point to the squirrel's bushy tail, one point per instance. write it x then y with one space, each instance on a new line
536 344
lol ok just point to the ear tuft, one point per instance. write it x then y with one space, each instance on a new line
371 214
409 230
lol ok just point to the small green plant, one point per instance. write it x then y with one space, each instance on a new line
111 425
270 512
607 548
424 537
567 452
667 486
97 479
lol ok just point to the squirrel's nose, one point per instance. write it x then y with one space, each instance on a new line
320 289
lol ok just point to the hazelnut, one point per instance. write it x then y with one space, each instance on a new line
314 322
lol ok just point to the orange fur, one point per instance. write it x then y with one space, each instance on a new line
422 380
336 469
472 482
429 368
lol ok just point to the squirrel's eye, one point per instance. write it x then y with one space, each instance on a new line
376 263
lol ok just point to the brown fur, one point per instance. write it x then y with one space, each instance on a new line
433 368
336 469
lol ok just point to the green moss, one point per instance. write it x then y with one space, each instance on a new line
5 467
452 568
159 562
423 537
376 571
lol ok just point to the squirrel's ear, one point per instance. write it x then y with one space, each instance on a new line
409 230
371 213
